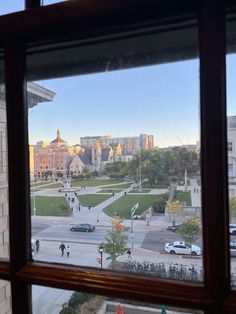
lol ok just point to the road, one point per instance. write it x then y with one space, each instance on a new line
149 240
63 233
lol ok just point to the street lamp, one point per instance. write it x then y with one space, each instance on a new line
132 212
100 250
34 208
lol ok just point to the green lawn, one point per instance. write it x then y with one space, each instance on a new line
51 206
110 191
94 182
92 199
123 186
123 205
183 197
137 191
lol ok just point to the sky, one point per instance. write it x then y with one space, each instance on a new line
162 100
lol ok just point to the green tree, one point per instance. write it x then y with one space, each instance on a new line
116 169
189 230
232 208
115 245
174 208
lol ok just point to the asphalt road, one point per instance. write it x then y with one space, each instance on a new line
63 233
155 240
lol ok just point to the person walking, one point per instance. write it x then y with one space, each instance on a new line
37 245
67 250
62 247
129 255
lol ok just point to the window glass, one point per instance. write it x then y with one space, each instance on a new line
5 300
115 176
51 300
231 133
46 2
4 216
11 6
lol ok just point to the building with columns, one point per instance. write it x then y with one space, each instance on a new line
36 94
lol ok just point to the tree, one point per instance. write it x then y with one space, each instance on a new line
47 174
189 230
232 208
115 245
175 208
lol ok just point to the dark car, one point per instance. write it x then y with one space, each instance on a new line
173 228
83 228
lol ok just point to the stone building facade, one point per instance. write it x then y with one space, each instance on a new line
36 94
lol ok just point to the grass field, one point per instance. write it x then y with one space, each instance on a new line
137 191
94 182
51 206
92 199
123 205
183 197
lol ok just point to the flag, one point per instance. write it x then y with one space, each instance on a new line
133 209
163 309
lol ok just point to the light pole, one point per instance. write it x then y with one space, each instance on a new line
100 250
140 169
132 211
34 209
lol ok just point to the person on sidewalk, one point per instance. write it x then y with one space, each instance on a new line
37 245
67 250
129 255
62 247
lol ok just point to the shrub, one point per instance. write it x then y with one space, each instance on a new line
159 206
67 310
79 298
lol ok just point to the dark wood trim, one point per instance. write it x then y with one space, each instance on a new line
214 151
65 19
117 285
18 170
29 4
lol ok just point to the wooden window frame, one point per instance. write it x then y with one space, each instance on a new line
59 20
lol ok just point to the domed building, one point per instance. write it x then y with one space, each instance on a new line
51 160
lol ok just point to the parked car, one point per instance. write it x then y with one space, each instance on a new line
232 247
179 247
83 228
173 228
232 228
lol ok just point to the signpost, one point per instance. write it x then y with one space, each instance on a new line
132 212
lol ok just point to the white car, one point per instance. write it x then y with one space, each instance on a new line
179 247
232 228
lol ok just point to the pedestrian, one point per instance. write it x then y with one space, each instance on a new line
113 193
129 255
37 245
68 198
67 250
125 193
66 195
62 248
72 199
89 207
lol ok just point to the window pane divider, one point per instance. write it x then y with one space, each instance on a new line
212 44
